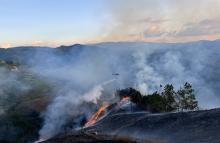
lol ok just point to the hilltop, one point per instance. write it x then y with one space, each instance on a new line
185 127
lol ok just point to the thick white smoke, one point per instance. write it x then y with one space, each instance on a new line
147 79
82 70
67 105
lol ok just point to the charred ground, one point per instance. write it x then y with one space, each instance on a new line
185 127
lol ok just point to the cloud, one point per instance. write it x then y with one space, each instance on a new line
43 43
163 21
5 45
146 28
153 27
204 27
150 20
192 31
153 31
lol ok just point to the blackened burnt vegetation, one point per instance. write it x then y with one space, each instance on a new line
166 101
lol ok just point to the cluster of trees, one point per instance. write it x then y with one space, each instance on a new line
166 101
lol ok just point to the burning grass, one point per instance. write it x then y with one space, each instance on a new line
103 110
97 115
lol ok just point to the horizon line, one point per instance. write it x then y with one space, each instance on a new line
106 42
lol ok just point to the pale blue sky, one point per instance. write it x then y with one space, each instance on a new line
56 22
49 20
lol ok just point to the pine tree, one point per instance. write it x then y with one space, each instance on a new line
192 104
181 99
186 98
169 97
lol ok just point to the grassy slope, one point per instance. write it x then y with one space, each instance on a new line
21 120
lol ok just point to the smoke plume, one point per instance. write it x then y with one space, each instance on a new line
84 73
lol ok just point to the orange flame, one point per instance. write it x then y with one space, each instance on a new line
126 98
97 115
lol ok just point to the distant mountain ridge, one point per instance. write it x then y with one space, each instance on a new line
22 53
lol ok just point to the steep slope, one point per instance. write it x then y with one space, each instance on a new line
186 127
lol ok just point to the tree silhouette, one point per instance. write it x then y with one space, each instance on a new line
169 97
169 100
186 98
190 96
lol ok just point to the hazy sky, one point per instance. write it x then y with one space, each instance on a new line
57 22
